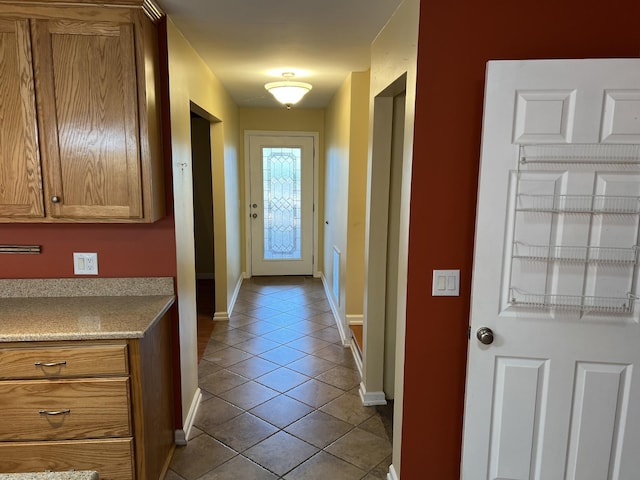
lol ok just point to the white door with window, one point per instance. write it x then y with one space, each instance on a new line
281 207
553 388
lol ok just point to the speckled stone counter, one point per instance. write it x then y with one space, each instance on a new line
81 309
84 475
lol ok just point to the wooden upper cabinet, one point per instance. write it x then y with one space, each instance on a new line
89 124
20 172
95 74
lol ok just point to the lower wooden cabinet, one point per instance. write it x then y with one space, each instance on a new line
112 458
89 405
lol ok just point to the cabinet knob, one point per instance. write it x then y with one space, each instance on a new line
55 199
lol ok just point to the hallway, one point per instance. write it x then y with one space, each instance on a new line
280 395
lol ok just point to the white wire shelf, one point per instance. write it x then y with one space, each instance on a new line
598 204
581 153
573 302
572 253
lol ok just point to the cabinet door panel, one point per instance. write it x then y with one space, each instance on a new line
89 120
20 174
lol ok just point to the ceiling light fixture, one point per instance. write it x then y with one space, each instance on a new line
287 92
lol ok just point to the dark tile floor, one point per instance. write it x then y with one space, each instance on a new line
280 395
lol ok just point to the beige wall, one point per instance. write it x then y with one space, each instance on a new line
345 177
358 154
336 172
283 120
192 81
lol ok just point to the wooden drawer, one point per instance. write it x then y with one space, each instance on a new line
77 409
63 361
112 458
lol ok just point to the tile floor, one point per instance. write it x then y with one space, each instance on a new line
280 395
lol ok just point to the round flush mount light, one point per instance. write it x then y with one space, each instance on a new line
288 92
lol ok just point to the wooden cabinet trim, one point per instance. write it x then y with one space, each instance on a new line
47 11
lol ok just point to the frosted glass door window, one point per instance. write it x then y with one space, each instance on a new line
281 173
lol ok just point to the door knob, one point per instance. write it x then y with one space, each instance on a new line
485 335
55 199
255 215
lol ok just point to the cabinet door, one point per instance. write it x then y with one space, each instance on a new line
20 174
87 99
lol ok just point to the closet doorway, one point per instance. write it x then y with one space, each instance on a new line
203 226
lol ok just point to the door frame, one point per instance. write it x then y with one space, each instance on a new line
247 192
376 248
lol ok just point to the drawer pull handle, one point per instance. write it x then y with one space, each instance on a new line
50 364
55 412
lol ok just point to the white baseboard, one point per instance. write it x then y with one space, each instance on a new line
355 319
235 294
392 473
371 398
182 435
346 338
221 317
356 357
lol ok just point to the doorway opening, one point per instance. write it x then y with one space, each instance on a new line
383 288
393 243
203 227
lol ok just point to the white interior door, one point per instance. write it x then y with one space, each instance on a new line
556 394
281 205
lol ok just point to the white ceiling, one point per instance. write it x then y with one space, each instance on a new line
247 43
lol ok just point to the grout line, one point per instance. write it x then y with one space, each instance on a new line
223 334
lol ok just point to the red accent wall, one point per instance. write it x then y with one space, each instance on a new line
123 250
456 40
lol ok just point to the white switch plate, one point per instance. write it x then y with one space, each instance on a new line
85 263
446 283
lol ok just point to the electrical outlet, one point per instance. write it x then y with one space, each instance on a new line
85 263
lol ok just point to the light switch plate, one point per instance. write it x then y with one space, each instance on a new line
85 263
446 283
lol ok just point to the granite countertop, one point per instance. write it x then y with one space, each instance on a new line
74 309
79 318
71 475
